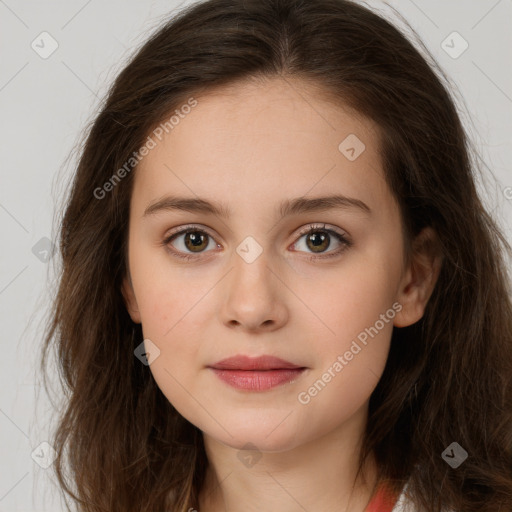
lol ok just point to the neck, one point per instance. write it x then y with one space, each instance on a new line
319 475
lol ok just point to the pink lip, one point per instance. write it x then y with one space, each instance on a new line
254 363
256 373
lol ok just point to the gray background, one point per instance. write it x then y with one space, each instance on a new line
45 104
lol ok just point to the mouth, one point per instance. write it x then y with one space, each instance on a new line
256 374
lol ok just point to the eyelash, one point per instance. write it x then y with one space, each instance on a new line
311 229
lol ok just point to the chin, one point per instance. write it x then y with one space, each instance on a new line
258 443
258 436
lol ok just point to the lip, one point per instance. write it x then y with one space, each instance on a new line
241 362
256 373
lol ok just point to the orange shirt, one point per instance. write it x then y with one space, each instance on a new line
383 501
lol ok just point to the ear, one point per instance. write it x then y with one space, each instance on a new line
129 299
420 278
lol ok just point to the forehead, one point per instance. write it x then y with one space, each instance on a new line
272 105
257 139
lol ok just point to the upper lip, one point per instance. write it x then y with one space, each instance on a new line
241 362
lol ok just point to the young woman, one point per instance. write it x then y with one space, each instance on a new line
280 289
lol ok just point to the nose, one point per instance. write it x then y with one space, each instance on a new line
254 297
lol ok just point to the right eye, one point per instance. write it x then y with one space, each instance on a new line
189 238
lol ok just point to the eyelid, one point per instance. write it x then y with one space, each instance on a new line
322 227
188 227
302 231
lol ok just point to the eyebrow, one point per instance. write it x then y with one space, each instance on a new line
286 208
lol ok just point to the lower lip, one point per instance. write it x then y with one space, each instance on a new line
253 380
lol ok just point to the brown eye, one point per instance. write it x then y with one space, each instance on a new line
189 241
195 241
318 240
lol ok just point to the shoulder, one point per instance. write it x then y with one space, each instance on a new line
404 504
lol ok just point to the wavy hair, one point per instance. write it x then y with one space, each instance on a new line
121 445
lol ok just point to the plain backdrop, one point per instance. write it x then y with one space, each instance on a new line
46 99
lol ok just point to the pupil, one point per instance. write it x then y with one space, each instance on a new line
317 239
196 239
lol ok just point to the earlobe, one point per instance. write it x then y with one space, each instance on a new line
129 299
420 279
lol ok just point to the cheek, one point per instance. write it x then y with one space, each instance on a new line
352 340
351 356
173 307
170 319
344 302
166 292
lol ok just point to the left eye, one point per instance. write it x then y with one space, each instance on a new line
192 241
319 239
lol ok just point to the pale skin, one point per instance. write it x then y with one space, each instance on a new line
250 147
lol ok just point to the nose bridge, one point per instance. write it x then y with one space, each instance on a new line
251 274
252 296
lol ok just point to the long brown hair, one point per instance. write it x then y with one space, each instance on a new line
121 445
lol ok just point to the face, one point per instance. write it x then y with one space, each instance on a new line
320 286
